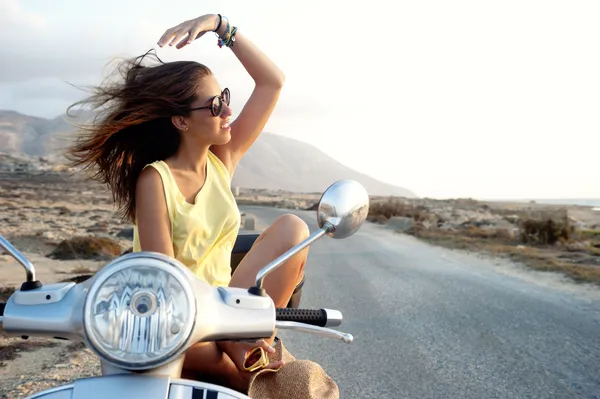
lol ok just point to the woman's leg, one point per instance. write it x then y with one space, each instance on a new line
287 231
206 362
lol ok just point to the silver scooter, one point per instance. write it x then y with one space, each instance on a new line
142 311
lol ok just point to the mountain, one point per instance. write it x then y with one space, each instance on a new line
278 162
274 162
31 135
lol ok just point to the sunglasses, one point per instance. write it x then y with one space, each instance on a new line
216 105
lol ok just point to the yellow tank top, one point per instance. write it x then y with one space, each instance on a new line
203 233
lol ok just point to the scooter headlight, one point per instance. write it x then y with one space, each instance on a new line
139 311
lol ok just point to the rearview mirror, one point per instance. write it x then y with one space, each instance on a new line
343 206
341 211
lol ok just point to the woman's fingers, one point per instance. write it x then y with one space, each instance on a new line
188 31
263 344
185 33
190 38
269 349
166 37
181 33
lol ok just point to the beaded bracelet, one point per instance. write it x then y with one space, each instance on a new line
229 39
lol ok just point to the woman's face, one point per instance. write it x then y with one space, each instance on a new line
201 123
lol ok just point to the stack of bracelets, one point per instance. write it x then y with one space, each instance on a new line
228 38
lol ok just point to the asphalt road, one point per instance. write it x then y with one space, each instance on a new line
434 323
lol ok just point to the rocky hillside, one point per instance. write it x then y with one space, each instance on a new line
274 162
31 135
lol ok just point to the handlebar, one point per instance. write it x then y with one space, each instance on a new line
315 317
86 311
56 311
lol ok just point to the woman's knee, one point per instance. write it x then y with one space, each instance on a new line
291 229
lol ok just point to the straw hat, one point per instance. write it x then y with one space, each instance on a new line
297 379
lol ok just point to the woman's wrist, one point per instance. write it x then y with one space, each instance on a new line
217 22
221 25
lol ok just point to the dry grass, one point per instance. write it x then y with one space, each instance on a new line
9 350
545 240
544 258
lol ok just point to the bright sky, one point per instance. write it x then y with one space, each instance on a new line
446 98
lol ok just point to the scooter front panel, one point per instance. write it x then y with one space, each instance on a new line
131 386
186 389
61 392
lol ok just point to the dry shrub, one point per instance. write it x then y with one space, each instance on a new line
98 248
489 233
6 292
383 210
545 231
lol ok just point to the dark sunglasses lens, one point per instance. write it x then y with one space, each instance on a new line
226 96
215 109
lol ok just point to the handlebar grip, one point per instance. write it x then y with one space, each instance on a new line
316 317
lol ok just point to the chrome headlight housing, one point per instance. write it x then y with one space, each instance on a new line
139 311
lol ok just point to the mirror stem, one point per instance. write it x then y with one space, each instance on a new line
262 273
31 282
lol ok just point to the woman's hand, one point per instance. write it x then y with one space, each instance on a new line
237 353
188 31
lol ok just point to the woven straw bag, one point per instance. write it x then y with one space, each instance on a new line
297 379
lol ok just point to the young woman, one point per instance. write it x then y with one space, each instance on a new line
164 142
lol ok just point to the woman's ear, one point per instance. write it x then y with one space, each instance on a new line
179 122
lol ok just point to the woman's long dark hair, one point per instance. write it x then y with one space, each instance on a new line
132 124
